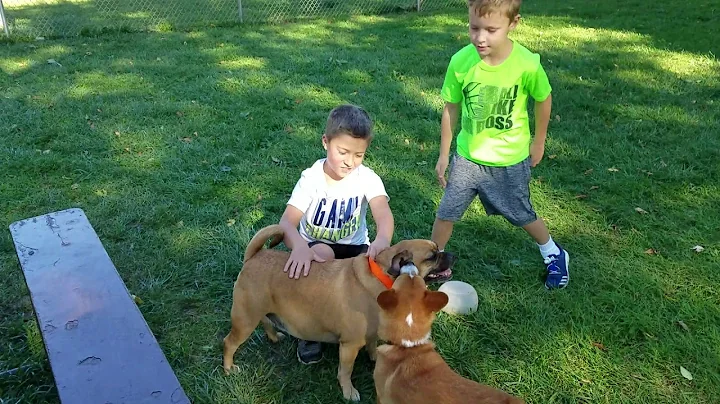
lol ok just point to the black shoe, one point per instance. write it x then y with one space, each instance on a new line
309 352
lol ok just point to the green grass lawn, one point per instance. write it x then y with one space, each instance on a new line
180 145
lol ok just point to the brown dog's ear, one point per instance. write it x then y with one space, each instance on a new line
399 260
387 300
434 301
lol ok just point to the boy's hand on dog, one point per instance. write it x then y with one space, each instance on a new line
300 260
376 246
440 168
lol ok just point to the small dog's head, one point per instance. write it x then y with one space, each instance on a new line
408 311
430 263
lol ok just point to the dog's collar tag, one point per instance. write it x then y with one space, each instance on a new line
380 274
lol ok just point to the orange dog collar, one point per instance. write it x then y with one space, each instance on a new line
380 274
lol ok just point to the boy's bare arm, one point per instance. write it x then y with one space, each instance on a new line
447 130
289 222
380 209
301 255
542 120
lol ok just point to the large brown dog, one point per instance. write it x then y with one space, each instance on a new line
409 370
335 303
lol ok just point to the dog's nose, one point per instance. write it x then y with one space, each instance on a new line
448 259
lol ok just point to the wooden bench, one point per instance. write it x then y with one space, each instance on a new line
99 346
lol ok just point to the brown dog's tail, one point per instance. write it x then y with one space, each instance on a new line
274 233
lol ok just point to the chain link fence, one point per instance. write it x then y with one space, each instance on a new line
62 18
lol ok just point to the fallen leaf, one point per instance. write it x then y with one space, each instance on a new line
613 169
74 186
651 251
552 156
588 172
54 62
594 187
180 224
231 222
289 129
698 248
244 114
275 160
225 169
46 151
599 346
581 196
586 381
407 141
127 149
557 118
421 163
195 133
298 101
186 139
137 299
683 325
179 113
686 374
117 133
641 211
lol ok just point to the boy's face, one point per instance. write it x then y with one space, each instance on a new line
344 154
489 33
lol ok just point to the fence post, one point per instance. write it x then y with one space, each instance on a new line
3 20
418 5
240 13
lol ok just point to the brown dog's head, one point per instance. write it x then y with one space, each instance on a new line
432 264
408 311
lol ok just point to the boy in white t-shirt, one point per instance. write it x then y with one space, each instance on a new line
325 216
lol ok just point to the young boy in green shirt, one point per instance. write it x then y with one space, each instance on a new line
488 83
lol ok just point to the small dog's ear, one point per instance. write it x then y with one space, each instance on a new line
387 300
399 260
434 301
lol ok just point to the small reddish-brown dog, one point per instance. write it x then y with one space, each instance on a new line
409 370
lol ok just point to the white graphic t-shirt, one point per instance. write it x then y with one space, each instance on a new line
335 213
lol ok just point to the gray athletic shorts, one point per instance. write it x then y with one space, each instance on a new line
502 190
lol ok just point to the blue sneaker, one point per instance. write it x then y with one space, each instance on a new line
558 274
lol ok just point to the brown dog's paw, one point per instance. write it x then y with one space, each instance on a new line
351 393
276 337
233 368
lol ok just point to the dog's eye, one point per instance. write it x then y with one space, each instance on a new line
432 257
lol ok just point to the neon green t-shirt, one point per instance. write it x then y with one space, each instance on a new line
495 129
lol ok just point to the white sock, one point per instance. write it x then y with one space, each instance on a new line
549 248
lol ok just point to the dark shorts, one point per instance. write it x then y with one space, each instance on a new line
343 251
502 190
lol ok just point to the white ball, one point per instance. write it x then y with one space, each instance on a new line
462 297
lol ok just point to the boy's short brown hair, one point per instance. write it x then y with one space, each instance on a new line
350 120
511 8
